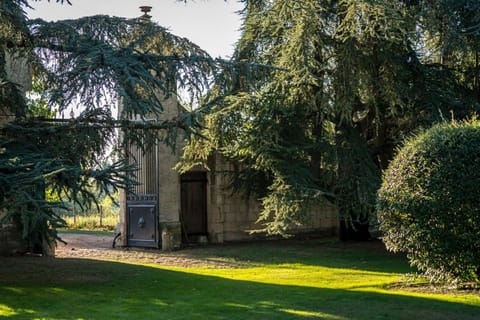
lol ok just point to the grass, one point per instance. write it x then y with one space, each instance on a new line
92 222
265 280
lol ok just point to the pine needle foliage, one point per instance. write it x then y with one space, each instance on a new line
349 82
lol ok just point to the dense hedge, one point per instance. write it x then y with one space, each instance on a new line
429 203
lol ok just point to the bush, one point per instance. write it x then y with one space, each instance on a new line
429 203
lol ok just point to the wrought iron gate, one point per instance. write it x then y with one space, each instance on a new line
142 211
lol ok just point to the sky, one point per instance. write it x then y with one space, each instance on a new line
212 24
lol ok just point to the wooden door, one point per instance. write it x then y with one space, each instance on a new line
194 204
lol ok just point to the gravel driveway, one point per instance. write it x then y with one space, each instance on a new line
86 246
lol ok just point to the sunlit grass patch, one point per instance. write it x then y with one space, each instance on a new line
6 311
309 314
306 275
92 222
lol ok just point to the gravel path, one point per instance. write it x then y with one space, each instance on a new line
85 246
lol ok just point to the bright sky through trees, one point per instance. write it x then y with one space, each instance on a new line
213 25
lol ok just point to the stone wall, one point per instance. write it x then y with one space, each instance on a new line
19 72
232 217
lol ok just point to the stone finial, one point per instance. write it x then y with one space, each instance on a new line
146 10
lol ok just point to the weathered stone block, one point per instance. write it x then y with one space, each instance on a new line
171 235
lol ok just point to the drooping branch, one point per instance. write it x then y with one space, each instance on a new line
101 59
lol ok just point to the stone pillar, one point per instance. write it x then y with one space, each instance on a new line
169 188
171 233
122 226
18 71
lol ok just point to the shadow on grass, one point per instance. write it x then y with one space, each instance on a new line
367 255
36 288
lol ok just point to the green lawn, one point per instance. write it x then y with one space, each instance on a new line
265 280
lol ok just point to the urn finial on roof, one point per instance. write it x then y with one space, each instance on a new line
146 10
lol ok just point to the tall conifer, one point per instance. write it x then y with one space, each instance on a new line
348 83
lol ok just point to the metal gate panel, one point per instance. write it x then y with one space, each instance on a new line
142 221
142 214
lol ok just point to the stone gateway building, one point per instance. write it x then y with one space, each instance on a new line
169 209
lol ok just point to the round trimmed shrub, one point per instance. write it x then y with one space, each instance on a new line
429 203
